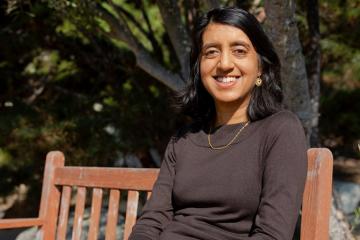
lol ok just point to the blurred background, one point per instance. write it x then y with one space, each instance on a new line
95 79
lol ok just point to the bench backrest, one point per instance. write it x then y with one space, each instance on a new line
60 182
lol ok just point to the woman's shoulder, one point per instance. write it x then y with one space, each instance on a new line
282 117
282 121
284 128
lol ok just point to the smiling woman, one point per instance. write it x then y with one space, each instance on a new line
229 67
238 170
265 100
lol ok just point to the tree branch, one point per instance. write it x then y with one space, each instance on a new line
149 35
154 42
122 11
176 30
121 31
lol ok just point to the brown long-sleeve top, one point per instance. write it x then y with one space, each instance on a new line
251 190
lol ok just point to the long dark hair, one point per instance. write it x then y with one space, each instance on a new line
265 100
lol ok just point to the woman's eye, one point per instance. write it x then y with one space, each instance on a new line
211 53
240 51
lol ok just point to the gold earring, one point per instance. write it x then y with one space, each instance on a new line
258 82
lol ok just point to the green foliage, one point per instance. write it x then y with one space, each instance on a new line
47 63
69 29
340 75
340 120
347 74
66 86
5 158
355 222
340 46
103 24
357 215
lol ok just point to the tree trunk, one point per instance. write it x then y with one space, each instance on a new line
298 96
285 37
313 67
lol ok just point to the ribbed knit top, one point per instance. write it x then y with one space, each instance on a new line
251 190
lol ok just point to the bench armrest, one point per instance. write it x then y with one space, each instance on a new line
20 222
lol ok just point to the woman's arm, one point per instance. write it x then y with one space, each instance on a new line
284 176
158 210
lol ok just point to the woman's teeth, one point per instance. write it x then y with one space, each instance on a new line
226 79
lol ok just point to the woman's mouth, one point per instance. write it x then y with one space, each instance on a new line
226 79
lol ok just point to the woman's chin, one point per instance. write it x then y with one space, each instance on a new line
229 100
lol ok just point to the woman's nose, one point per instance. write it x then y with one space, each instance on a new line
225 62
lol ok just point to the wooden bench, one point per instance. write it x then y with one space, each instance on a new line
60 181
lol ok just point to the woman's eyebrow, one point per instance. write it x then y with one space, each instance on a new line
240 43
208 45
232 44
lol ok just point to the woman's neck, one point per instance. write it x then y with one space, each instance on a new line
227 114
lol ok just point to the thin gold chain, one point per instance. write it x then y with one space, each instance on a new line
232 140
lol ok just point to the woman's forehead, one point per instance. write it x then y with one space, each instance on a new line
216 33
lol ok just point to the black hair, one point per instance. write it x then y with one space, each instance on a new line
265 100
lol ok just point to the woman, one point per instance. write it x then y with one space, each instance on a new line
237 172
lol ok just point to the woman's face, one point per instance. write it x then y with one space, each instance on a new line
229 64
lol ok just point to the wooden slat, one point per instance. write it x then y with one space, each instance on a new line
20 223
112 216
131 212
95 213
317 196
50 195
113 178
64 213
79 213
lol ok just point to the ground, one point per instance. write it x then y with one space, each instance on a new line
347 169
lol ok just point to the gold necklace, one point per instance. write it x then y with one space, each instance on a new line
232 140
